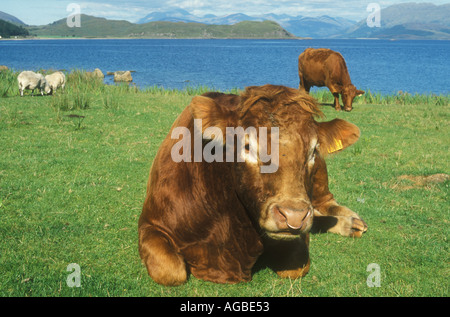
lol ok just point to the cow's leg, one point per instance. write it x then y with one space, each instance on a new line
337 106
164 264
304 87
329 216
289 259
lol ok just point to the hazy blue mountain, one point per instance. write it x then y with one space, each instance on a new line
407 21
172 15
180 15
301 26
229 19
316 27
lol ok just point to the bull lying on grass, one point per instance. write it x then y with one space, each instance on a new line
214 218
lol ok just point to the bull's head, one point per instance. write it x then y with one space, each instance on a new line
278 200
348 94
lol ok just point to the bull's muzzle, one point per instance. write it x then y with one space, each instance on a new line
292 219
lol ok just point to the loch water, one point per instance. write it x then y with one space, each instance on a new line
383 66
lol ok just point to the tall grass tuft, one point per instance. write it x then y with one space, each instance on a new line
110 98
8 80
188 90
80 90
80 80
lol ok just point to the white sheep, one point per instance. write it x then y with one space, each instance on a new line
56 80
31 80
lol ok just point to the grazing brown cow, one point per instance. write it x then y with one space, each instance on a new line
324 67
214 218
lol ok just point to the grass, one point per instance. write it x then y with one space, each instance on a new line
73 178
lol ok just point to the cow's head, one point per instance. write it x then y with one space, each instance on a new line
278 199
348 94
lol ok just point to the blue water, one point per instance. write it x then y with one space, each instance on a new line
379 65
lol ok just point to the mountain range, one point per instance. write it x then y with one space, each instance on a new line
401 21
301 26
407 21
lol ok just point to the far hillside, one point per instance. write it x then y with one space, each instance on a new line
10 18
8 30
93 27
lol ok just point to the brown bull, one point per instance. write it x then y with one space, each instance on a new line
214 218
324 67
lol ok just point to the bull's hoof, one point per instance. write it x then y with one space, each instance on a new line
358 228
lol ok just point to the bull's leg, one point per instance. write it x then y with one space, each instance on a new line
289 259
329 216
164 265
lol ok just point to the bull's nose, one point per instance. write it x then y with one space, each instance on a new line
288 218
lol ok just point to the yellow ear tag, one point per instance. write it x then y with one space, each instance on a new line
336 147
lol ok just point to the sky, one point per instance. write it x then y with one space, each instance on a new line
39 12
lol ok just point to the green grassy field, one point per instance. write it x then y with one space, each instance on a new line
73 173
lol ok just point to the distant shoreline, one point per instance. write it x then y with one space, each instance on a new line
199 38
150 38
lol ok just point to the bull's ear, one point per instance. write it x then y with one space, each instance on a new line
214 118
359 92
336 135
